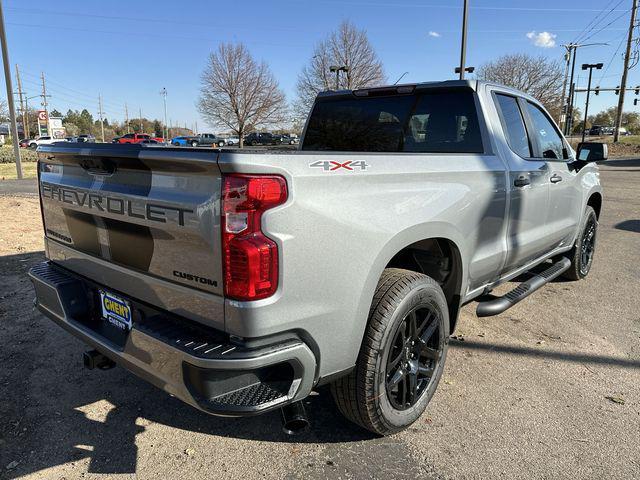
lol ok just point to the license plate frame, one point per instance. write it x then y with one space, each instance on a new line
115 311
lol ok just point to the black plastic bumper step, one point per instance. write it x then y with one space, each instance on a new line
256 395
498 305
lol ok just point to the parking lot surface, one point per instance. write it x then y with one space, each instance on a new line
549 389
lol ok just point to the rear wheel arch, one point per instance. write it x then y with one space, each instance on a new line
440 259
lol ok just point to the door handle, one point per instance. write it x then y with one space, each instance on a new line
522 181
555 178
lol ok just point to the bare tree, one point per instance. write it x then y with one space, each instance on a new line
239 93
4 111
345 47
538 76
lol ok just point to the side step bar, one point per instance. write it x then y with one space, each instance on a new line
522 291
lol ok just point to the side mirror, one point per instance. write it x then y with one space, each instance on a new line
592 152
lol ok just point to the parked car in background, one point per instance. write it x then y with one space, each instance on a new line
232 140
24 143
597 130
202 140
207 139
47 140
288 139
136 138
86 138
180 141
262 138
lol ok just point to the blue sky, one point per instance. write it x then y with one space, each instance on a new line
128 51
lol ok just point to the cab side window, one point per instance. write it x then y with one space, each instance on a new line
513 125
549 140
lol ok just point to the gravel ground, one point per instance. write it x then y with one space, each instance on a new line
549 389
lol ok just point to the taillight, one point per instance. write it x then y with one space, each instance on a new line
250 257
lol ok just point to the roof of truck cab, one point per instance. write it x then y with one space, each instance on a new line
404 87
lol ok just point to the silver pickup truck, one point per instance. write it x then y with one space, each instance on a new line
239 281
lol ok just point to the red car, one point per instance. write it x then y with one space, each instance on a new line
138 138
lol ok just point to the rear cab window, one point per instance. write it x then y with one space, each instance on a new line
428 122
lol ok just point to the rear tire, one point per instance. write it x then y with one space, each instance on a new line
581 255
402 354
194 144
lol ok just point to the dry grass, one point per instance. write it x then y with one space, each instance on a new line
20 226
8 170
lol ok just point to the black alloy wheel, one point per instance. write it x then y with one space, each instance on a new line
414 355
588 246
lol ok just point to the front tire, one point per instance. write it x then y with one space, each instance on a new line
581 255
402 354
194 144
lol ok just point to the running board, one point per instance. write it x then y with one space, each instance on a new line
522 291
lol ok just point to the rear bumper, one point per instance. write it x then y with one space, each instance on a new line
200 366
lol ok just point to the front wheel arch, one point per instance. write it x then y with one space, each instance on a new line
595 202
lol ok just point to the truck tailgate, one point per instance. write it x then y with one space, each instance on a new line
143 221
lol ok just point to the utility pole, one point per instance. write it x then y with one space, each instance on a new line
563 110
590 67
126 117
463 44
25 123
625 70
141 130
7 78
196 130
44 97
163 92
101 113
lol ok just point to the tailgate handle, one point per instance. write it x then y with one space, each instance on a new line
98 166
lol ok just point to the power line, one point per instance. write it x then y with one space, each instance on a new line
72 90
592 23
607 25
67 98
147 34
612 58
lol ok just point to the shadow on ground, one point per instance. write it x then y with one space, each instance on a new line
623 163
628 226
546 354
47 401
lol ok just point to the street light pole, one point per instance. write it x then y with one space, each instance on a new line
337 70
463 45
12 109
573 49
590 67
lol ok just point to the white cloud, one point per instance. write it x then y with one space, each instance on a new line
434 34
542 39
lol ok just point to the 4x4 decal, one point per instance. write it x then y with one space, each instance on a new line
332 166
